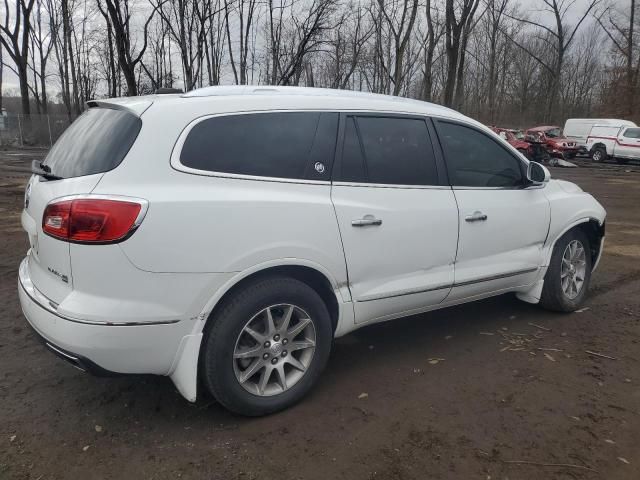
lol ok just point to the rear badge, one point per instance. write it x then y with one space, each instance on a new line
62 277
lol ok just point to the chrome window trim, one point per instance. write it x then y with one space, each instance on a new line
392 185
529 187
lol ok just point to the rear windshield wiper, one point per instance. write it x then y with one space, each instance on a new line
39 168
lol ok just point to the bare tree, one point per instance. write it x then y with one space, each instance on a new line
14 36
244 12
434 33
456 33
558 39
294 37
399 17
494 27
117 12
619 25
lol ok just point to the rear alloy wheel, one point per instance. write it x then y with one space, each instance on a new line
567 279
266 346
598 155
274 350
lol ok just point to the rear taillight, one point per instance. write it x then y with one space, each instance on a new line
92 220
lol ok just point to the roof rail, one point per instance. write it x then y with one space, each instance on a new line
167 90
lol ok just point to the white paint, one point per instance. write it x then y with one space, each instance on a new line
141 306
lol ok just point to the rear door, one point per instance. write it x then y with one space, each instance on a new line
95 143
503 224
628 143
398 220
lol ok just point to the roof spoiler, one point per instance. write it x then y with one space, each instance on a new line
134 105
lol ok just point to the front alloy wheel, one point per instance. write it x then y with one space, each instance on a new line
573 269
567 279
274 350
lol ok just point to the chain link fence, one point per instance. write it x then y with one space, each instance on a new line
38 130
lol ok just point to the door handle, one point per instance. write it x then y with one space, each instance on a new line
367 220
477 216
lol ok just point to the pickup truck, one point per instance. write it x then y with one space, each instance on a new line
557 144
621 143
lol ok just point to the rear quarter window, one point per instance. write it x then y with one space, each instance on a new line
293 145
96 142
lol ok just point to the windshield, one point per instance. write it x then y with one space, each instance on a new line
554 133
96 142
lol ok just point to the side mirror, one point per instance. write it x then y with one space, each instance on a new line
537 174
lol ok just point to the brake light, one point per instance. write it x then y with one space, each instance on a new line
91 220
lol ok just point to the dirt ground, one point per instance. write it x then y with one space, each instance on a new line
461 393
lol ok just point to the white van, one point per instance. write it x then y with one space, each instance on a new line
578 129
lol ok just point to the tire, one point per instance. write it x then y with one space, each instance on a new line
554 296
598 155
227 338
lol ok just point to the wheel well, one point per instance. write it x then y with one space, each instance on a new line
594 232
599 146
308 275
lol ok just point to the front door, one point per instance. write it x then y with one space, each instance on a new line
503 224
628 143
398 220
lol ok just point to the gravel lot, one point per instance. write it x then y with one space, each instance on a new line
493 407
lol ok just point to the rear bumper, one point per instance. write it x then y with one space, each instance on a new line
101 348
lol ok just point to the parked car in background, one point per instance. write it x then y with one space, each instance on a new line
515 139
557 144
226 236
577 129
621 143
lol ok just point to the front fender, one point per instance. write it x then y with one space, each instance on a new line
570 206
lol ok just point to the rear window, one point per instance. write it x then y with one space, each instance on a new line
96 142
296 145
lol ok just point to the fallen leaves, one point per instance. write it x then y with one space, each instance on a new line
435 361
363 395
624 460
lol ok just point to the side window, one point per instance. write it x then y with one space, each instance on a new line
476 160
387 150
632 133
398 151
282 144
352 165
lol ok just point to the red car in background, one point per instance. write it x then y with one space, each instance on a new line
515 138
557 144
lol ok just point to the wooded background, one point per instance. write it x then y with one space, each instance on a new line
504 62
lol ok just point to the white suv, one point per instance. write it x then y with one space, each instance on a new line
229 234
